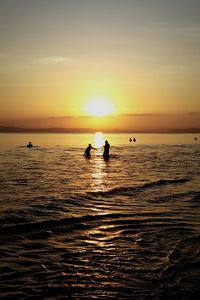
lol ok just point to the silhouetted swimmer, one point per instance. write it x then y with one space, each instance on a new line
195 138
106 150
130 140
134 139
29 145
87 150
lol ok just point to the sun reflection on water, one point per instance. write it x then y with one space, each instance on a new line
98 139
99 172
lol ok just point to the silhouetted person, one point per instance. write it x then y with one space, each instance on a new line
134 140
29 145
130 140
106 150
87 150
195 138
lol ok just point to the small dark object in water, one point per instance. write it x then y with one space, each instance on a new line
29 145
195 138
130 140
134 139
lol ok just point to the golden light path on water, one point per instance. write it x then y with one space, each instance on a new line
100 166
101 236
98 139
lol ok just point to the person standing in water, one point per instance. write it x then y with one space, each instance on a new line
106 150
30 145
87 150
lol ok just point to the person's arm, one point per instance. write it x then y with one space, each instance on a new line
93 148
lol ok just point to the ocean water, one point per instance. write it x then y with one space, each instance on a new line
77 228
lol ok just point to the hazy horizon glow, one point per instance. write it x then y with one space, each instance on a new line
144 56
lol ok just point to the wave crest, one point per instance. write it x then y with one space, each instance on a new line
129 189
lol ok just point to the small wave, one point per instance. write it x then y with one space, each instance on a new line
184 256
188 245
69 224
129 189
77 223
192 198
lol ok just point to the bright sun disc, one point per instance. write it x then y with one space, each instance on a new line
99 107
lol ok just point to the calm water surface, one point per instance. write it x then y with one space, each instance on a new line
77 228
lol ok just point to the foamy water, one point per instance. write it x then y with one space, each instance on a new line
77 228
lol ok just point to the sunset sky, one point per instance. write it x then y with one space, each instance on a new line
140 57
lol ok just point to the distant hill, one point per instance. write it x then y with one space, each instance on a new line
4 129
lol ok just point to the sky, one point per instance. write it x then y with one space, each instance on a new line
142 56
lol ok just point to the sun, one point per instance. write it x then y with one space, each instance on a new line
99 106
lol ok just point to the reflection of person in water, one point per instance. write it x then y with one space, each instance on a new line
29 145
87 150
106 150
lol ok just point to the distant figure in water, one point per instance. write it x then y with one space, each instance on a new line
195 138
87 150
29 145
130 140
106 150
134 139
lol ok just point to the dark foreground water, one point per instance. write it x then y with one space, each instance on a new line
126 228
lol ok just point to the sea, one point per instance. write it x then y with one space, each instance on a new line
123 228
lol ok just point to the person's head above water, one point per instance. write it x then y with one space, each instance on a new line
30 145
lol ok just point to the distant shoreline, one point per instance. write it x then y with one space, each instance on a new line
4 129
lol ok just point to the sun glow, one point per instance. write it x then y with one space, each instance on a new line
99 107
98 139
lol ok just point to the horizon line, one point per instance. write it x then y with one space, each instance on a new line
152 114
9 129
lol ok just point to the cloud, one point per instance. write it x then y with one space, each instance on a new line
144 115
190 113
53 60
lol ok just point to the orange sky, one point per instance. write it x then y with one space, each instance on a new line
143 57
